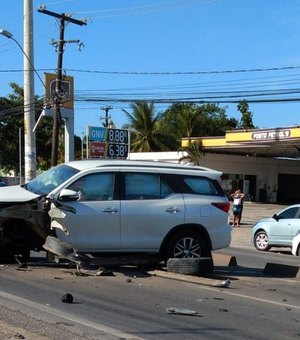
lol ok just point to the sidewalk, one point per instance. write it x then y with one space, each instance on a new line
252 212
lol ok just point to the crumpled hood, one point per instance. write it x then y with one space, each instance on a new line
16 194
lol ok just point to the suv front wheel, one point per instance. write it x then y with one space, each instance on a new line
186 244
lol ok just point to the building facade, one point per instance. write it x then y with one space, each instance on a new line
262 179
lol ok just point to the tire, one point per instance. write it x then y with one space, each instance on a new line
186 244
190 266
261 241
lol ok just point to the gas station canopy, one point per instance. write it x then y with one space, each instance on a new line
272 143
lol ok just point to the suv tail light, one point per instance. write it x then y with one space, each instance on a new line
225 206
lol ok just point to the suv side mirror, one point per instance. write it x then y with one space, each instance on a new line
275 216
68 195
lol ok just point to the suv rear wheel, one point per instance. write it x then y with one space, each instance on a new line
186 244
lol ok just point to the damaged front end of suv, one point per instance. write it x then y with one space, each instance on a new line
24 218
24 225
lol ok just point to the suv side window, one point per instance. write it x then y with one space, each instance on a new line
145 186
201 185
95 187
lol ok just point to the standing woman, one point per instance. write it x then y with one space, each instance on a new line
238 197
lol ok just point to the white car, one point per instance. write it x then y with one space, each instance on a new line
296 245
278 230
118 206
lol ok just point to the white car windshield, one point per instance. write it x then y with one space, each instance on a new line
50 179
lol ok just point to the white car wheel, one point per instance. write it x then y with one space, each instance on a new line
261 241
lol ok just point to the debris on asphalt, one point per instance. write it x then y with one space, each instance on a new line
222 283
67 298
23 269
182 311
93 272
223 310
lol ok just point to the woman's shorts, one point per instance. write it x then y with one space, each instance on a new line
237 209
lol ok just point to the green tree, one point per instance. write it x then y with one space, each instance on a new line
213 121
194 153
12 119
246 121
186 120
11 109
178 121
143 121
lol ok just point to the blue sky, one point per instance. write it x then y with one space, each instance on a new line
165 49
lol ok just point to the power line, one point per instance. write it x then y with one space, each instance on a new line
251 70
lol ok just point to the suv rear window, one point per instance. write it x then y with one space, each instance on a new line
201 185
145 186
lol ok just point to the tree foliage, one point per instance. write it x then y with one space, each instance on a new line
194 153
10 123
246 121
185 120
12 120
143 121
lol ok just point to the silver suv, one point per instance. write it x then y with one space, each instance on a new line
117 206
141 207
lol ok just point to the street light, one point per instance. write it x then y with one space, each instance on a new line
9 35
29 109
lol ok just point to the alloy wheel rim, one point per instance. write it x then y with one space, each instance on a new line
187 247
262 241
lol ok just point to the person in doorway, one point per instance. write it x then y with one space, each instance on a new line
237 209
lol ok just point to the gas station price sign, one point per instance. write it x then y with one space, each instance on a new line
115 142
117 136
117 150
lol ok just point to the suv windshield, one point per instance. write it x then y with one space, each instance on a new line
50 179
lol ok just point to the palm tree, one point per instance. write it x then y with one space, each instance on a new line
143 123
194 152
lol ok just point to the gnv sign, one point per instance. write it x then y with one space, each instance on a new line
107 142
97 134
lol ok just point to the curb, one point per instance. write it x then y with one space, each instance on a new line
282 270
224 260
220 260
182 277
271 269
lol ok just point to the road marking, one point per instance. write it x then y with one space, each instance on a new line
57 313
206 283
255 298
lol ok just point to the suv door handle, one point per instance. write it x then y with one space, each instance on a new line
110 210
173 210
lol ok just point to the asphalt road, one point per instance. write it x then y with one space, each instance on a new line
134 304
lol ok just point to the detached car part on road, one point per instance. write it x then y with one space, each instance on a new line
115 207
277 231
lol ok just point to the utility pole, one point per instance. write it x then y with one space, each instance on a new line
29 106
63 18
106 109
